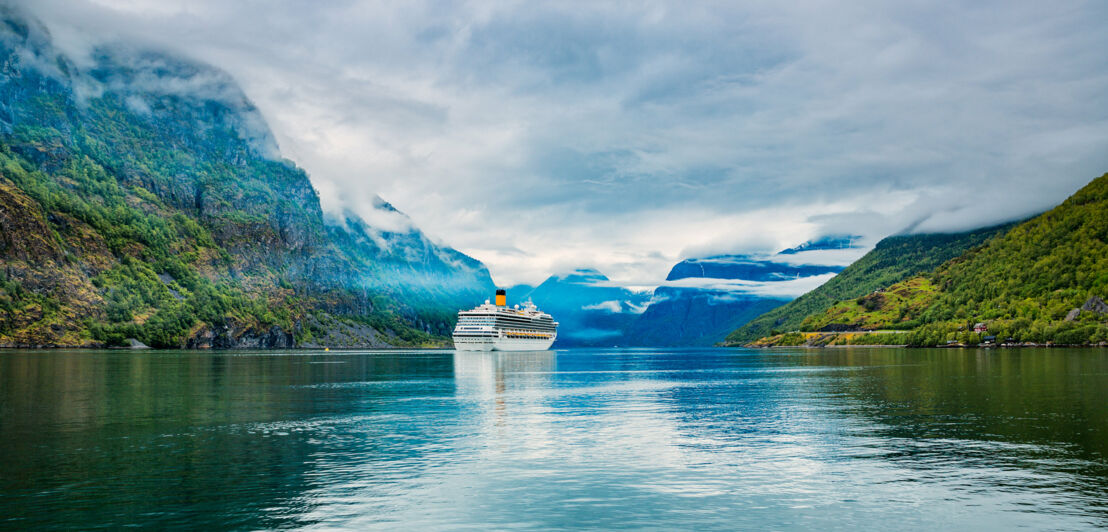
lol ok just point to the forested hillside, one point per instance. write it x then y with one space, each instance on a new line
1043 281
893 259
142 196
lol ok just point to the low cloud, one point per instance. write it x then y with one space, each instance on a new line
541 137
786 289
824 257
611 306
379 215
617 307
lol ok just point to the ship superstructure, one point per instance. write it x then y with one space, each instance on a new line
498 327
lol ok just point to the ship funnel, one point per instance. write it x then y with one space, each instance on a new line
501 298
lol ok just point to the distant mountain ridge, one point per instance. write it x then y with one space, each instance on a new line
695 316
824 243
702 301
734 292
746 268
144 197
589 309
592 311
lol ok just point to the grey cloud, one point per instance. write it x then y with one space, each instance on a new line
607 130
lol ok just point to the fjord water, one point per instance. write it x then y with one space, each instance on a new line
707 439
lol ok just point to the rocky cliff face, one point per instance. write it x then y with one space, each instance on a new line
142 195
405 260
406 265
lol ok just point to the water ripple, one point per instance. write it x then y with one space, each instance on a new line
612 439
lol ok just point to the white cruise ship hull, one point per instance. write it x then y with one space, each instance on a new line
502 344
496 327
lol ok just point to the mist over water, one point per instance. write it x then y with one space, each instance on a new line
712 438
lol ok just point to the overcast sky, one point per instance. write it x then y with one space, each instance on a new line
540 137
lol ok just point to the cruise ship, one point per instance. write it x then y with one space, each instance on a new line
501 328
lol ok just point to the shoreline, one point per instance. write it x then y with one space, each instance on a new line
449 348
209 349
905 346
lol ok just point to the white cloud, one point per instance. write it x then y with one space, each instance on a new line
611 306
783 289
543 137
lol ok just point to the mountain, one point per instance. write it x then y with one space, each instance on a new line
142 196
699 305
706 298
745 268
403 263
824 243
1042 281
695 316
893 259
518 292
589 310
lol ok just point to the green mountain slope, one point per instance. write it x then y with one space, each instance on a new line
893 259
1042 281
142 196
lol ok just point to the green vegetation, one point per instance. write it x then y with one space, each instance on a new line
168 222
874 339
891 308
825 339
151 288
1027 285
894 259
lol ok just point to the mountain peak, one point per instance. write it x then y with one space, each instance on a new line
824 243
745 268
579 276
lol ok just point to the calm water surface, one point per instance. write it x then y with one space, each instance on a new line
670 439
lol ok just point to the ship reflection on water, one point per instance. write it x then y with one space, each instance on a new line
566 439
485 378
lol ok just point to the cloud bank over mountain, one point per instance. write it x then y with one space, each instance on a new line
627 136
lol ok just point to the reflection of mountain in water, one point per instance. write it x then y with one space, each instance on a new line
1032 422
1011 396
582 438
208 439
